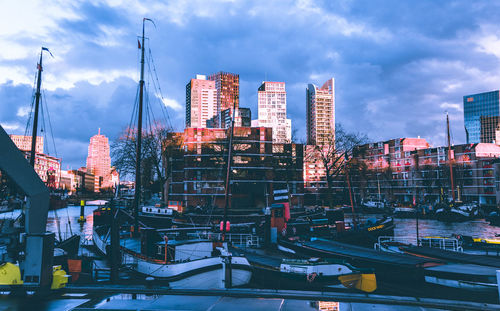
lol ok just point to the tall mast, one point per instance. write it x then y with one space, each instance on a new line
354 216
449 157
137 195
37 105
228 172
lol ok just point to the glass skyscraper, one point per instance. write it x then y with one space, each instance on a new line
476 106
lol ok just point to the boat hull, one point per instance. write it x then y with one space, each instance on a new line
206 273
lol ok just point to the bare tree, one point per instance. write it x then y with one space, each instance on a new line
335 155
123 153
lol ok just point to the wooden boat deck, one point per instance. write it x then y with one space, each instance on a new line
452 256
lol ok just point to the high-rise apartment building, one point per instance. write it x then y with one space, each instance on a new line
228 89
201 101
476 106
99 160
272 111
24 142
321 113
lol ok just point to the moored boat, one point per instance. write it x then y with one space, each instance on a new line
463 276
277 270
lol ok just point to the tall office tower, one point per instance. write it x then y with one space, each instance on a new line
321 113
481 105
201 101
272 111
228 89
99 160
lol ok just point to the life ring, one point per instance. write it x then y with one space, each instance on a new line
311 277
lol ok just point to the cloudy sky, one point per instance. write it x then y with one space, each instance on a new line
398 65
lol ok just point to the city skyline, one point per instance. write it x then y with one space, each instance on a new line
397 67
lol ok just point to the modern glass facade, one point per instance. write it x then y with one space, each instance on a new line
476 106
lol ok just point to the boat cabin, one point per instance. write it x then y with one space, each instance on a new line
157 210
188 250
280 214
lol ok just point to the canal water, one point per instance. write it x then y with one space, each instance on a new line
404 228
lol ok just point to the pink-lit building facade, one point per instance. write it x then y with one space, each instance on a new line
23 142
408 169
321 113
45 165
201 101
99 160
272 111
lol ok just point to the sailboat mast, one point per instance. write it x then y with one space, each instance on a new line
37 105
137 195
449 158
350 191
228 172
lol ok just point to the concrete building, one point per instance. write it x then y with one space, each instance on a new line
228 90
24 142
99 160
321 113
481 105
197 169
272 111
201 101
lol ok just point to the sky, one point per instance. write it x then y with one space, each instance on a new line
398 65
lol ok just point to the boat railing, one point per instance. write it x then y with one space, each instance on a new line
238 239
449 244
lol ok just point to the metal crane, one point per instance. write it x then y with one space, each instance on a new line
35 269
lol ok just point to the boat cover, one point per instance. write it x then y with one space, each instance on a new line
348 251
454 256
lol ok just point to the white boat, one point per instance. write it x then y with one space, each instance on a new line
96 203
378 205
457 212
186 264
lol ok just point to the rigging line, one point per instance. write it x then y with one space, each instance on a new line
131 124
26 131
50 123
164 108
158 92
43 128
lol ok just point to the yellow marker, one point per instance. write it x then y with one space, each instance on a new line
82 211
366 282
59 278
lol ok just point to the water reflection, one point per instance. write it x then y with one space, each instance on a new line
68 221
405 228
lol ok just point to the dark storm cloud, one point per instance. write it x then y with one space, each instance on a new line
398 65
